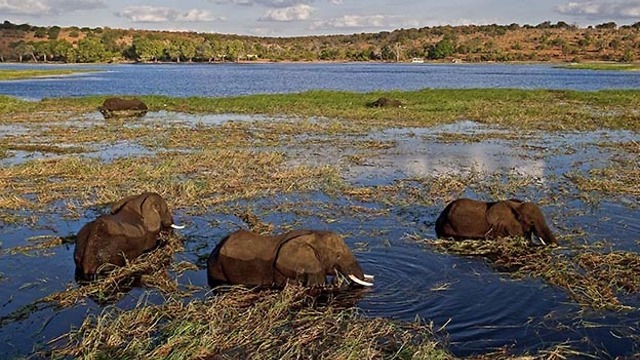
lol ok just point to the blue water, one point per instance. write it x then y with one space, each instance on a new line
185 80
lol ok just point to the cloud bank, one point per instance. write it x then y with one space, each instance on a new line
155 14
48 7
601 9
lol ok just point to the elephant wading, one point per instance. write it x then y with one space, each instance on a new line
305 257
133 227
471 219
113 107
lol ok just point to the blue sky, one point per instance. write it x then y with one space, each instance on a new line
311 17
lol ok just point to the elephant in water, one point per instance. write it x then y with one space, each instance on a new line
305 257
132 227
115 106
471 219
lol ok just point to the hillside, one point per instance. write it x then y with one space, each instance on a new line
558 42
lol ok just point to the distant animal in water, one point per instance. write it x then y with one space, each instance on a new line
119 107
471 219
132 227
304 257
385 102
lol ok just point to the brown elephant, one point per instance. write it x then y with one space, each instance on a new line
305 257
472 219
115 106
132 227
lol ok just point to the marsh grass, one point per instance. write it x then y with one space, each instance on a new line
603 66
11 74
592 278
40 245
523 109
241 323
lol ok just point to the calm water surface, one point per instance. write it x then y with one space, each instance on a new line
184 80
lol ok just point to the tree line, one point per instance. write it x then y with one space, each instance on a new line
543 42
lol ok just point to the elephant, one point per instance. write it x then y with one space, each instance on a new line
132 227
471 219
303 257
115 106
386 102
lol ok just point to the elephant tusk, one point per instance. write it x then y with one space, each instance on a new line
358 281
368 277
179 227
538 238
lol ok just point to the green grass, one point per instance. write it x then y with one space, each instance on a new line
604 66
524 109
9 74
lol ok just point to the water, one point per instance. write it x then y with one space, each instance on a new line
242 79
479 308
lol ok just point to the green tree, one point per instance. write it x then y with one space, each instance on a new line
442 49
90 50
53 33
146 49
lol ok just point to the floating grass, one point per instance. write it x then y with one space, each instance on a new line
11 74
592 278
241 323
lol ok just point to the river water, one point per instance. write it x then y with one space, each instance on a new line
242 79
480 309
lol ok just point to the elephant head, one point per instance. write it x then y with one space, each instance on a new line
132 227
305 257
471 219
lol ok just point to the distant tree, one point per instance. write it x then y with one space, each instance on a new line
442 49
90 50
147 49
41 32
607 25
54 32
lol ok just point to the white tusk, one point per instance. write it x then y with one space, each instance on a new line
534 236
368 277
358 281
174 226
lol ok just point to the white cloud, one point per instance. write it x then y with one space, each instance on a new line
47 7
197 15
146 13
155 14
279 4
292 13
599 9
364 21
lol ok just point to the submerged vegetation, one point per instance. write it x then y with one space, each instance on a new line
240 323
295 165
592 278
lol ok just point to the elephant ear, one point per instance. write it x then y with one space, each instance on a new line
150 213
297 260
503 221
117 206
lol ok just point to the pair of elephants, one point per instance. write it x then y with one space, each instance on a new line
307 257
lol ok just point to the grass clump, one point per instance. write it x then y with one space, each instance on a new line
592 278
11 74
603 66
241 323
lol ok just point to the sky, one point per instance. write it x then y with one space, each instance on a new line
311 17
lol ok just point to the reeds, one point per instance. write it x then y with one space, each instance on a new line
240 323
592 278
